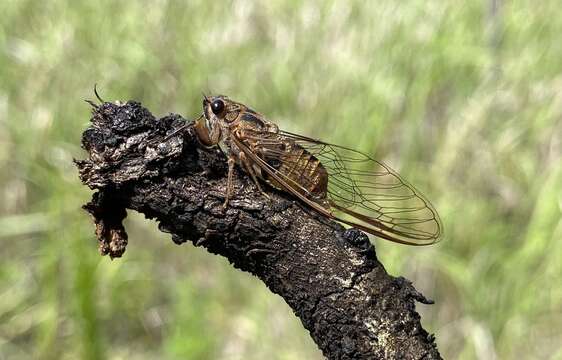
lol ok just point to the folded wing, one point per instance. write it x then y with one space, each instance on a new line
362 192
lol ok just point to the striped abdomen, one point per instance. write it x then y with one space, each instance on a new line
305 173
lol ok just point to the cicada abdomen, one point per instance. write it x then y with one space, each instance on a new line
303 172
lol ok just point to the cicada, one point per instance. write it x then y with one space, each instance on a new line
337 182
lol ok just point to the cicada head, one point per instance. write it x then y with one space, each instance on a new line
221 109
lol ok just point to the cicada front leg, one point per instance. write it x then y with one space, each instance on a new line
211 138
231 162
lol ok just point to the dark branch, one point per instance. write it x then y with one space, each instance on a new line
329 276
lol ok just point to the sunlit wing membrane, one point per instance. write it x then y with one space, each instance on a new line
364 193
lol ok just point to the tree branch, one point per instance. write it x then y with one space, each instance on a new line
328 275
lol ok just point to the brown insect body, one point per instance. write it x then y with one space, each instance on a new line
308 175
324 176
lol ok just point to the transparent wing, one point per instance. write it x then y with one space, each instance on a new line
361 192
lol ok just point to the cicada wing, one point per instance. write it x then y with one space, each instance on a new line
366 193
374 195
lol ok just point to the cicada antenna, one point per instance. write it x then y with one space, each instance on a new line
205 96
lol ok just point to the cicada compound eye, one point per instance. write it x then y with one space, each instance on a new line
217 107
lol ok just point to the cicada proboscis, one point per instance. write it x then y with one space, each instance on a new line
337 182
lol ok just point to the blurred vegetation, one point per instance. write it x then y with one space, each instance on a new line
463 98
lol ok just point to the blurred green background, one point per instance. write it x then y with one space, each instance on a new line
463 98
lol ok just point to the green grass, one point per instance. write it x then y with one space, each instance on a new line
464 101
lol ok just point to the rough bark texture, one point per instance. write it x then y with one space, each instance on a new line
328 275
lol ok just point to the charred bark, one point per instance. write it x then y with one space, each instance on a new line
328 275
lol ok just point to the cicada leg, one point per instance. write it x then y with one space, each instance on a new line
231 162
210 138
252 173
